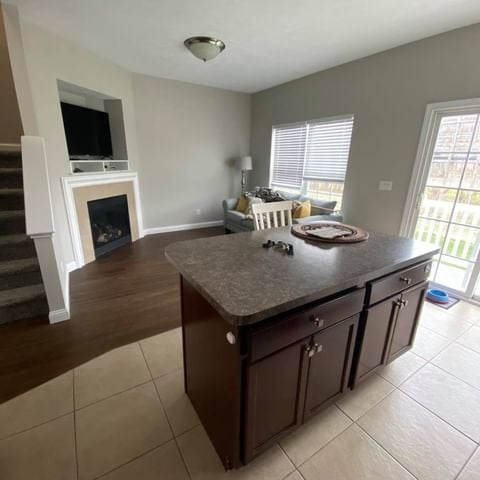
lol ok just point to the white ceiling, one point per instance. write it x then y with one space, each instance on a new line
268 41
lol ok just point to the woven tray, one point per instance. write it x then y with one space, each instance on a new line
352 234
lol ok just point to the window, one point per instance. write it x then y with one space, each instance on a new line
312 157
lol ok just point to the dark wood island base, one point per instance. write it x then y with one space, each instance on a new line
269 339
253 384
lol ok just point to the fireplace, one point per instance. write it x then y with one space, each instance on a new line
110 223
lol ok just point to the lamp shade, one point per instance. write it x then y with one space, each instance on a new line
244 163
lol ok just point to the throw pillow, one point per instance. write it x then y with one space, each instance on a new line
302 209
243 204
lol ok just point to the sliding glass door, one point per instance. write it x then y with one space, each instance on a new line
447 211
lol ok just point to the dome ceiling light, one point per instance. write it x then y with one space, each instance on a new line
204 48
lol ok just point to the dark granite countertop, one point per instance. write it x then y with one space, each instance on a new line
246 283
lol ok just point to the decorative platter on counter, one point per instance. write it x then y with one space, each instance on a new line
330 232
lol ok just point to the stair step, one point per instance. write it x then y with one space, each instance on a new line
24 302
12 222
11 199
17 246
15 296
10 149
12 267
19 273
10 160
11 178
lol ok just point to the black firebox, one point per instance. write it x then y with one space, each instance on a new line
110 223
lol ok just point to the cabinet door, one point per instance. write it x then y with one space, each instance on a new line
330 364
405 326
275 396
373 340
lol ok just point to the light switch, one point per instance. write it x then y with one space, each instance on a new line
385 185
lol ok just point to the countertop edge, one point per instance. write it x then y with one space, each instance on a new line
249 319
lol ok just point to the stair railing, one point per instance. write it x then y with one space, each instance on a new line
40 225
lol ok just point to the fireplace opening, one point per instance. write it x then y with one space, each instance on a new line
110 223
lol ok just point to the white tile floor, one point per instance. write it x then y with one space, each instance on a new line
125 416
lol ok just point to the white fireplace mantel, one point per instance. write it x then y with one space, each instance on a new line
71 182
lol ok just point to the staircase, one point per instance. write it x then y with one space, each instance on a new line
21 288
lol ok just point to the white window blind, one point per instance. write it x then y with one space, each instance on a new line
316 150
288 155
327 150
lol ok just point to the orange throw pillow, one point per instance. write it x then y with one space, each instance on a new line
302 209
242 204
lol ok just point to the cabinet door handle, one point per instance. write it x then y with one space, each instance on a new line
319 322
231 338
318 348
401 303
406 280
309 350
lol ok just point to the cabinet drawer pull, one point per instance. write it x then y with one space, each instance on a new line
319 322
318 348
406 280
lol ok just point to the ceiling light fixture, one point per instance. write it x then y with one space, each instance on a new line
204 48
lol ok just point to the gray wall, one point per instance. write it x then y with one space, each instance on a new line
10 124
49 58
187 137
387 93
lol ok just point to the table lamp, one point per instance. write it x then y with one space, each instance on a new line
244 164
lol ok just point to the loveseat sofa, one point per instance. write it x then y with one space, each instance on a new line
235 221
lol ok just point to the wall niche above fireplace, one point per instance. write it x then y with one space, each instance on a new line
110 223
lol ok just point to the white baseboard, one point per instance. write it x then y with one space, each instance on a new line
178 228
63 314
57 316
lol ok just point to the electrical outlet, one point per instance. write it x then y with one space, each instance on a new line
385 185
198 211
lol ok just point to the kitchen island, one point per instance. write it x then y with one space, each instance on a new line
270 339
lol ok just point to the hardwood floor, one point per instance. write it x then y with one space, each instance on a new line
131 294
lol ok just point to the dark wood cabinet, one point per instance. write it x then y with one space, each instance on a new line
387 330
287 387
329 367
252 384
275 389
409 309
372 343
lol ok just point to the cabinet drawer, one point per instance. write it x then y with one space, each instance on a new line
396 282
281 332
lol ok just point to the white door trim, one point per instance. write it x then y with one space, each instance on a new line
433 114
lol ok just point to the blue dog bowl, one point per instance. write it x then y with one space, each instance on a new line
438 296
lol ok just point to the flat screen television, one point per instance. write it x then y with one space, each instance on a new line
87 132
